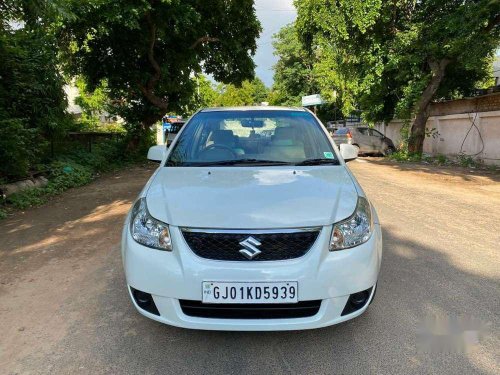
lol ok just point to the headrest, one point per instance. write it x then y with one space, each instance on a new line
284 133
224 137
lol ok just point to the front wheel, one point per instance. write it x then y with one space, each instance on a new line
389 151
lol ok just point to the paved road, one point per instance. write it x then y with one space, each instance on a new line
64 308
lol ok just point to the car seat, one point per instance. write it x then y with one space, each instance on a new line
227 138
285 146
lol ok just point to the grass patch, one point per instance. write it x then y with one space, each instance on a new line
461 160
405 156
63 175
70 170
467 161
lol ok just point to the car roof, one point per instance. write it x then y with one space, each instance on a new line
254 108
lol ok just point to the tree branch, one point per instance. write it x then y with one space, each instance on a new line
203 39
493 23
152 98
151 57
147 90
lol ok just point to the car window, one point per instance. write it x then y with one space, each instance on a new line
341 131
376 133
363 131
279 136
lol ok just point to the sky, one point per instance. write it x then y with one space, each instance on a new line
273 15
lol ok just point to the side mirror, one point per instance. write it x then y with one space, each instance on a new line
156 153
348 152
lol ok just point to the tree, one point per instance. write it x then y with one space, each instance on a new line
249 93
293 73
93 103
204 95
296 74
148 50
394 58
32 100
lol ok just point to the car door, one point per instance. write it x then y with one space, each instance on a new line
362 139
377 140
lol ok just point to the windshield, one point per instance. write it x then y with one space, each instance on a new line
252 137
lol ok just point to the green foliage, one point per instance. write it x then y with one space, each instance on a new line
146 51
31 86
64 174
296 74
467 161
293 73
204 96
462 160
441 159
74 169
405 156
249 93
19 148
205 92
381 56
93 103
32 101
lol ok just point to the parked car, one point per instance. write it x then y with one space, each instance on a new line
367 140
252 221
172 131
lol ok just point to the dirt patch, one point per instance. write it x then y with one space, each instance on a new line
46 254
65 310
450 177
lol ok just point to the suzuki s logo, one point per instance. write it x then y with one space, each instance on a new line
250 250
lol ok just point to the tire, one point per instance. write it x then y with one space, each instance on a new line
389 151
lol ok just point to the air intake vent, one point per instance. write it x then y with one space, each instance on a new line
250 311
226 245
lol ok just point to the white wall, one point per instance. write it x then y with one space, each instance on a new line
482 141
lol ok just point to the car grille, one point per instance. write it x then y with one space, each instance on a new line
225 245
250 311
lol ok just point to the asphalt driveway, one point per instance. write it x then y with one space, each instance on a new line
64 307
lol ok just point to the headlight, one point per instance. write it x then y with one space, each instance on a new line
354 230
148 231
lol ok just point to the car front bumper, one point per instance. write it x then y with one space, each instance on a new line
321 275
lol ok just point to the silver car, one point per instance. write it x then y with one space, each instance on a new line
368 140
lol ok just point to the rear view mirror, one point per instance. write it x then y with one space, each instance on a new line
156 153
252 123
348 152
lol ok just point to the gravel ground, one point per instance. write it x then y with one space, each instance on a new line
64 307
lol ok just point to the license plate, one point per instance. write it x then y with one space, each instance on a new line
248 292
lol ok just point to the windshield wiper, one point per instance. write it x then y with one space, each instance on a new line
241 162
319 162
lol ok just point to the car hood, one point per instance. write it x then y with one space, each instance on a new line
251 197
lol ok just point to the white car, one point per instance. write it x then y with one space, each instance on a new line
252 222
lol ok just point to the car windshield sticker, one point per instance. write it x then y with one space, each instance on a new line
328 155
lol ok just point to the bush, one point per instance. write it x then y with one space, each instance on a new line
467 161
404 155
17 148
74 169
63 175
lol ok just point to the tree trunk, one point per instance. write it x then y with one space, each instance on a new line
140 133
417 133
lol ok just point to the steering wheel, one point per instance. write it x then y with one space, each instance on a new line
221 147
